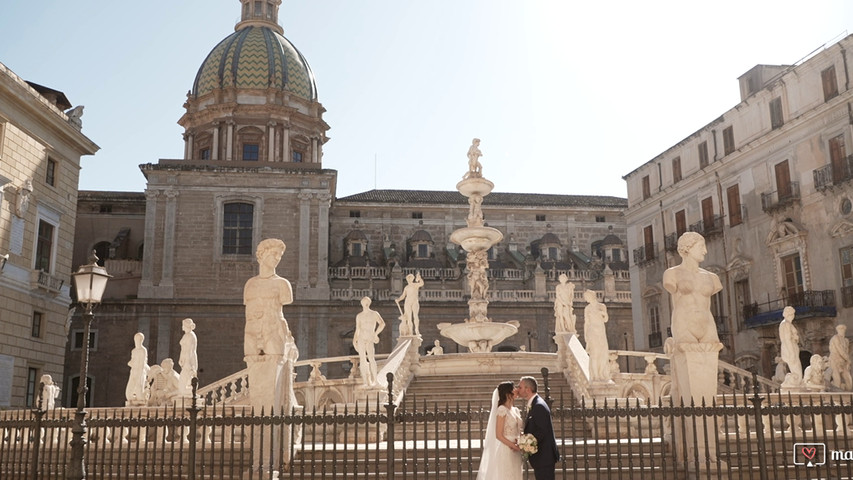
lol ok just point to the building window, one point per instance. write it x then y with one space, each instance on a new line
792 275
417 215
733 196
237 229
540 218
648 243
846 256
616 255
703 154
32 385
44 246
77 342
676 169
647 188
655 340
728 140
102 250
423 250
830 84
251 151
553 254
105 209
707 214
50 176
680 223
35 331
784 188
599 219
742 299
296 156
355 213
205 154
74 387
776 119
837 159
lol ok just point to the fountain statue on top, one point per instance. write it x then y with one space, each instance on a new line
478 333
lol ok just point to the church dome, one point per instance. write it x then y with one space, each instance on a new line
256 57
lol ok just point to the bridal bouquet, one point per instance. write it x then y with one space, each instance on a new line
528 445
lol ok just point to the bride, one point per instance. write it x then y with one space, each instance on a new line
501 459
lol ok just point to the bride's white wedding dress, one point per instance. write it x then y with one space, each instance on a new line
499 462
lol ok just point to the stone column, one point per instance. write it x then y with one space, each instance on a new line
304 238
271 141
188 145
167 280
214 154
323 202
229 141
315 154
146 283
286 156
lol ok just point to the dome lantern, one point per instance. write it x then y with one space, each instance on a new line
260 13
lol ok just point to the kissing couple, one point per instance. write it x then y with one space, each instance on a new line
511 439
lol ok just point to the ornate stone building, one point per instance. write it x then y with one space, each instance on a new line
40 150
253 169
768 185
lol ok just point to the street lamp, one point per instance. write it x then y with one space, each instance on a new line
89 282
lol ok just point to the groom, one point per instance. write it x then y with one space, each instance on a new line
539 424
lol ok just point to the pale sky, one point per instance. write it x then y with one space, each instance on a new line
567 96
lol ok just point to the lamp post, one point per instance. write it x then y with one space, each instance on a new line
89 282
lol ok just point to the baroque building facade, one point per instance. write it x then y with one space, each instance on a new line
40 150
768 186
253 169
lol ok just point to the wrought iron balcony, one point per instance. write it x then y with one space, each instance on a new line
645 254
708 227
784 197
811 303
832 175
670 242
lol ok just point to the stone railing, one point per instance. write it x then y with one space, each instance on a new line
132 268
433 273
39 279
732 379
358 272
318 391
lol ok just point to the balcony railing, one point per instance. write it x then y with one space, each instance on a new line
831 175
708 227
811 303
645 254
42 280
772 201
670 242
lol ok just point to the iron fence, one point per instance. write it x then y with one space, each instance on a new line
747 436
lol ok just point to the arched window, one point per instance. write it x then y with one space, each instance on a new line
251 144
237 228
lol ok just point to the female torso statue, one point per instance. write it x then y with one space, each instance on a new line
691 288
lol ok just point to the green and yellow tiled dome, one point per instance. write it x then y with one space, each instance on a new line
256 58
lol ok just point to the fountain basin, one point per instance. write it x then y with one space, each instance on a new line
476 239
475 186
479 337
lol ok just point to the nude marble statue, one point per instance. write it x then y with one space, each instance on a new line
136 391
564 305
189 357
839 359
266 330
790 349
475 168
594 328
368 325
411 306
691 288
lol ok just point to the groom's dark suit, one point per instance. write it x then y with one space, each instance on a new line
539 424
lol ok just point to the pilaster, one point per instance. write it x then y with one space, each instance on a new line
146 283
304 239
214 154
167 283
322 287
271 141
229 141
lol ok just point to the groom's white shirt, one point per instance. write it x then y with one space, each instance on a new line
530 400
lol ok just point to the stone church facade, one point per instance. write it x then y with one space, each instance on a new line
253 169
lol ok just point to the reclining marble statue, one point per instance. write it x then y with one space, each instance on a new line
695 343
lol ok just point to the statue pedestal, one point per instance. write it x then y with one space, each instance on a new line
271 391
694 380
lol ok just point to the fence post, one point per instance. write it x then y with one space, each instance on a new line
389 436
759 427
39 413
193 411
